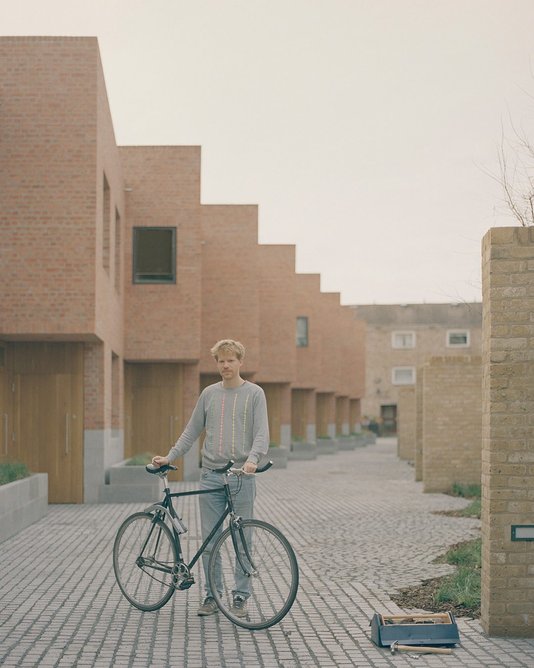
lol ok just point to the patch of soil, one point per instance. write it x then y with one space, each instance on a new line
423 597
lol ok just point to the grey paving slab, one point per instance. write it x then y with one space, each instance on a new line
361 528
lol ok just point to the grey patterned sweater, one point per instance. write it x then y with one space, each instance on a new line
235 420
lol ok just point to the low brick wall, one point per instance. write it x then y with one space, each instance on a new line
406 424
452 422
22 503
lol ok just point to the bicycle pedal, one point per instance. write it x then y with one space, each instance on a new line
186 583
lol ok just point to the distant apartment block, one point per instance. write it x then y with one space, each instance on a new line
400 338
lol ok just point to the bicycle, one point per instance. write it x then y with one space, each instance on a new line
149 563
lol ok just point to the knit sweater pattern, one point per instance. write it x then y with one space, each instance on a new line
236 425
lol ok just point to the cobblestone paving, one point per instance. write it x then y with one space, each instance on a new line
361 528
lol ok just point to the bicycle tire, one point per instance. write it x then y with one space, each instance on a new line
148 585
274 582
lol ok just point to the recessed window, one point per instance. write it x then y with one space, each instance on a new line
458 338
403 375
403 339
302 332
154 255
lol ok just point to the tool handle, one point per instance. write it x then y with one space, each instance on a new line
423 650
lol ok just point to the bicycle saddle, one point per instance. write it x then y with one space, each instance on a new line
150 468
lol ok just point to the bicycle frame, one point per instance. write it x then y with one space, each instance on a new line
167 507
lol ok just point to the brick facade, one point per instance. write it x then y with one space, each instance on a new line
71 204
428 326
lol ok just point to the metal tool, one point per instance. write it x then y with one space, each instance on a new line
417 648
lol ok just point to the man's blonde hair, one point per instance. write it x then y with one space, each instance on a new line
228 346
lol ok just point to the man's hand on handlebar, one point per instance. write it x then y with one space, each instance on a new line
249 467
158 460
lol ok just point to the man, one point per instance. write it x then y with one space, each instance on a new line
234 415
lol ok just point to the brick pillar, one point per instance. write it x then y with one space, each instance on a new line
507 430
419 425
406 424
451 422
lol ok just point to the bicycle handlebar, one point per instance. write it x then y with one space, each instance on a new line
150 468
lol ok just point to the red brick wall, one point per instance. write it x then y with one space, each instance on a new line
230 281
48 185
109 279
162 321
307 291
332 360
277 314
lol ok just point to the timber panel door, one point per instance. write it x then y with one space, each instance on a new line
273 396
47 385
299 414
154 400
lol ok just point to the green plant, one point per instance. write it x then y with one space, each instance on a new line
463 586
472 510
467 491
11 471
141 459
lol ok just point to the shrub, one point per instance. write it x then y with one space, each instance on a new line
11 471
467 491
463 587
142 459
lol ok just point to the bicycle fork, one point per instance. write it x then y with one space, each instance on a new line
236 529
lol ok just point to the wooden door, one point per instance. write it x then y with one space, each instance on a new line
47 385
6 410
322 414
154 400
299 414
273 392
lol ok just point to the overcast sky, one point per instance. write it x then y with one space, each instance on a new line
363 129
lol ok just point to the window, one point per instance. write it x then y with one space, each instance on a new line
403 339
154 255
106 204
458 338
403 375
118 251
302 332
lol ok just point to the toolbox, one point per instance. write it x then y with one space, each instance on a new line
422 629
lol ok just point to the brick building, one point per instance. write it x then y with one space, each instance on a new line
400 338
117 281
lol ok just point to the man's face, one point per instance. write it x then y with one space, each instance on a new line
228 365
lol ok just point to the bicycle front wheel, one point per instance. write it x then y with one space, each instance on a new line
144 555
255 562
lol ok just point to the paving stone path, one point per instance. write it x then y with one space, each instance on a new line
361 528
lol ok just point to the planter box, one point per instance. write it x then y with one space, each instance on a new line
303 450
127 484
278 454
346 442
22 503
360 440
327 446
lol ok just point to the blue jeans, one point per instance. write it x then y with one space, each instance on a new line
212 507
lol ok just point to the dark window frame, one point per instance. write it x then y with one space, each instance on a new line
151 278
301 341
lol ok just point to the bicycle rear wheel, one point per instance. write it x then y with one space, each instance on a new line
266 567
144 554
